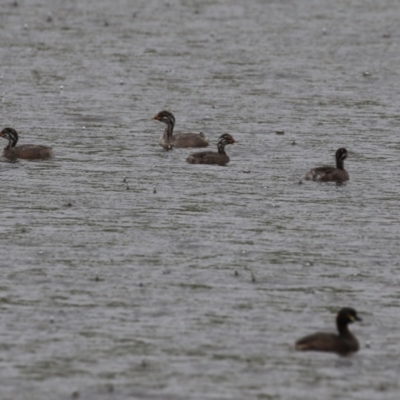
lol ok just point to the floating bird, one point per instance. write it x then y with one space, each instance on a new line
212 157
331 174
24 151
343 343
170 140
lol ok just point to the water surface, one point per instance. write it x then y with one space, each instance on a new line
127 273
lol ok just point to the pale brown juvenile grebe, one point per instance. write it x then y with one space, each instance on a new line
343 343
170 140
331 174
24 151
212 157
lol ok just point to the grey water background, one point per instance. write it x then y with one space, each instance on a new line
197 289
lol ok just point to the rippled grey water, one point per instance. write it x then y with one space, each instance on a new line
197 290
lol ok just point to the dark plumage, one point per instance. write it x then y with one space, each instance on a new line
170 140
24 151
331 174
343 343
212 157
